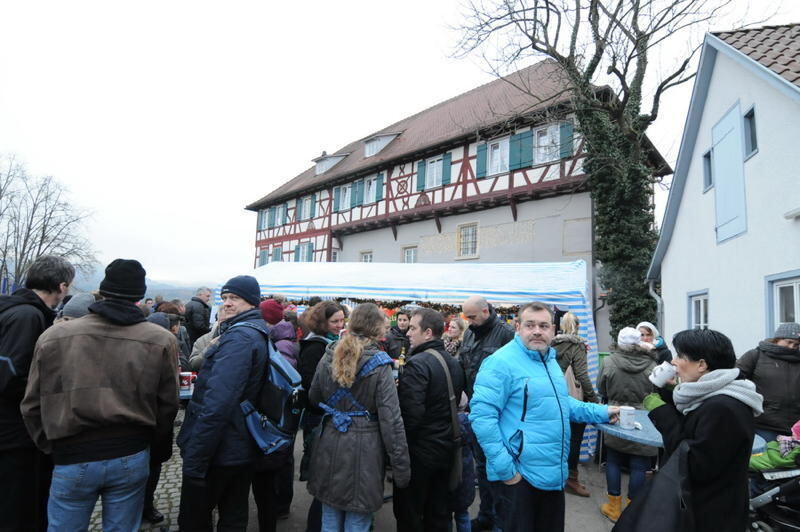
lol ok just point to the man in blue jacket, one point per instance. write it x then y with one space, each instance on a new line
520 414
218 451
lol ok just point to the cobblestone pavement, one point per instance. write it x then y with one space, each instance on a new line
582 514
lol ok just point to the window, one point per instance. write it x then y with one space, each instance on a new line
410 254
546 144
708 171
371 189
304 252
750 139
262 220
698 311
341 197
787 300
497 156
334 256
277 254
280 214
468 240
366 256
306 207
263 255
375 144
433 173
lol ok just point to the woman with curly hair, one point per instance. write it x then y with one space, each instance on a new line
355 388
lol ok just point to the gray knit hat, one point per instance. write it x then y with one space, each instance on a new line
77 306
789 330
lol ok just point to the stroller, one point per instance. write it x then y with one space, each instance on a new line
777 509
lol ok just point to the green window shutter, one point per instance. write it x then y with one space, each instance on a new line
353 194
359 192
298 215
447 162
313 212
566 142
480 163
337 196
271 217
276 254
259 220
310 252
286 213
514 153
526 149
420 176
379 187
297 253
262 257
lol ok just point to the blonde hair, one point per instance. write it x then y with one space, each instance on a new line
462 326
365 327
570 323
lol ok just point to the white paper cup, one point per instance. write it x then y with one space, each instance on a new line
627 417
662 373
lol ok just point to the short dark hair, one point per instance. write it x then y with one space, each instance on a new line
705 344
313 301
403 311
430 319
537 306
48 272
317 317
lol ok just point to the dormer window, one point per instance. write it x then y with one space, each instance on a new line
325 162
375 144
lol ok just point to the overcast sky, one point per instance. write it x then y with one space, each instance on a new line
166 118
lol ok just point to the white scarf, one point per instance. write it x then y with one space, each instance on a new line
689 396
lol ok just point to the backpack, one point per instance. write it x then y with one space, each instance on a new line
274 418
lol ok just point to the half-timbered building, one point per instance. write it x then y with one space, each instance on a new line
492 175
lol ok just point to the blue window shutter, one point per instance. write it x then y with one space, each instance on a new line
565 140
297 253
337 196
259 220
480 163
310 252
271 217
728 168
526 149
379 187
514 153
262 257
276 254
360 192
353 194
313 212
298 211
285 213
420 176
447 162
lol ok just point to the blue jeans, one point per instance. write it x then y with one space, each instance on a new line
463 523
637 465
120 482
334 520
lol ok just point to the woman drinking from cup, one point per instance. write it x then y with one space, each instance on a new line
712 409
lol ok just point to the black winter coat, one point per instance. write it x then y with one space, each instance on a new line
720 436
312 349
198 319
214 431
425 404
775 370
23 318
397 343
480 342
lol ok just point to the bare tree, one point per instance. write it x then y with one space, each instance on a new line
36 219
610 59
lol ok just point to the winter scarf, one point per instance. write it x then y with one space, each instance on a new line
689 396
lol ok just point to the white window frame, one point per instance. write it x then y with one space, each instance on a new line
335 255
434 168
460 235
365 256
370 196
698 301
272 254
280 214
794 284
413 251
497 156
708 171
345 192
372 147
750 133
549 148
263 219
304 248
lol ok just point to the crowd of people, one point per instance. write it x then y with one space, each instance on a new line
436 403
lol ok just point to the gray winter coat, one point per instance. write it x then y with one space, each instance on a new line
571 351
624 382
775 370
347 468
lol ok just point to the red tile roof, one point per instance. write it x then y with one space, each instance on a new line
494 103
775 47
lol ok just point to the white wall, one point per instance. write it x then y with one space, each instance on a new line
734 271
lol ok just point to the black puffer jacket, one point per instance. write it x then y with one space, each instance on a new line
480 342
198 319
775 370
23 318
425 404
397 343
312 348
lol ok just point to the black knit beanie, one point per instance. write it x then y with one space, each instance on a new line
244 286
124 280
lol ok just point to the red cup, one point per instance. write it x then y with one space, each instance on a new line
186 381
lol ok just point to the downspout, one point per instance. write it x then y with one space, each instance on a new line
659 304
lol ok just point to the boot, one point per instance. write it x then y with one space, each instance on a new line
574 485
612 508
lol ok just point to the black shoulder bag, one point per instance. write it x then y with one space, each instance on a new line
455 466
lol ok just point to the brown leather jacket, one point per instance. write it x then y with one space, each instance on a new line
91 376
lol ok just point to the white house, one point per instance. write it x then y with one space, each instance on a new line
728 257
